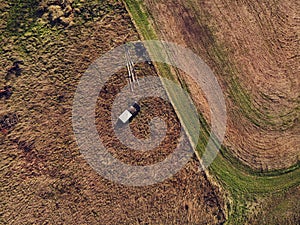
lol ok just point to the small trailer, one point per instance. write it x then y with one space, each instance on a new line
130 113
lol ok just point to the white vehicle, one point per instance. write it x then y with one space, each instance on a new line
130 113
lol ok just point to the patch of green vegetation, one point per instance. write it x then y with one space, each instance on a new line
243 183
141 19
279 208
21 16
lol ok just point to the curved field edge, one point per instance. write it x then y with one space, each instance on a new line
234 176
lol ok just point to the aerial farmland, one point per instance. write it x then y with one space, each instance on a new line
103 121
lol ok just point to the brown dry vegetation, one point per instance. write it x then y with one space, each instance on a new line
282 212
253 47
44 178
150 108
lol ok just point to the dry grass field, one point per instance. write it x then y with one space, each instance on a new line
45 48
252 47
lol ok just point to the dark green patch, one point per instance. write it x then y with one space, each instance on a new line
22 16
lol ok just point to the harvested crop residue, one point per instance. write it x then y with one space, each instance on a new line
253 48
